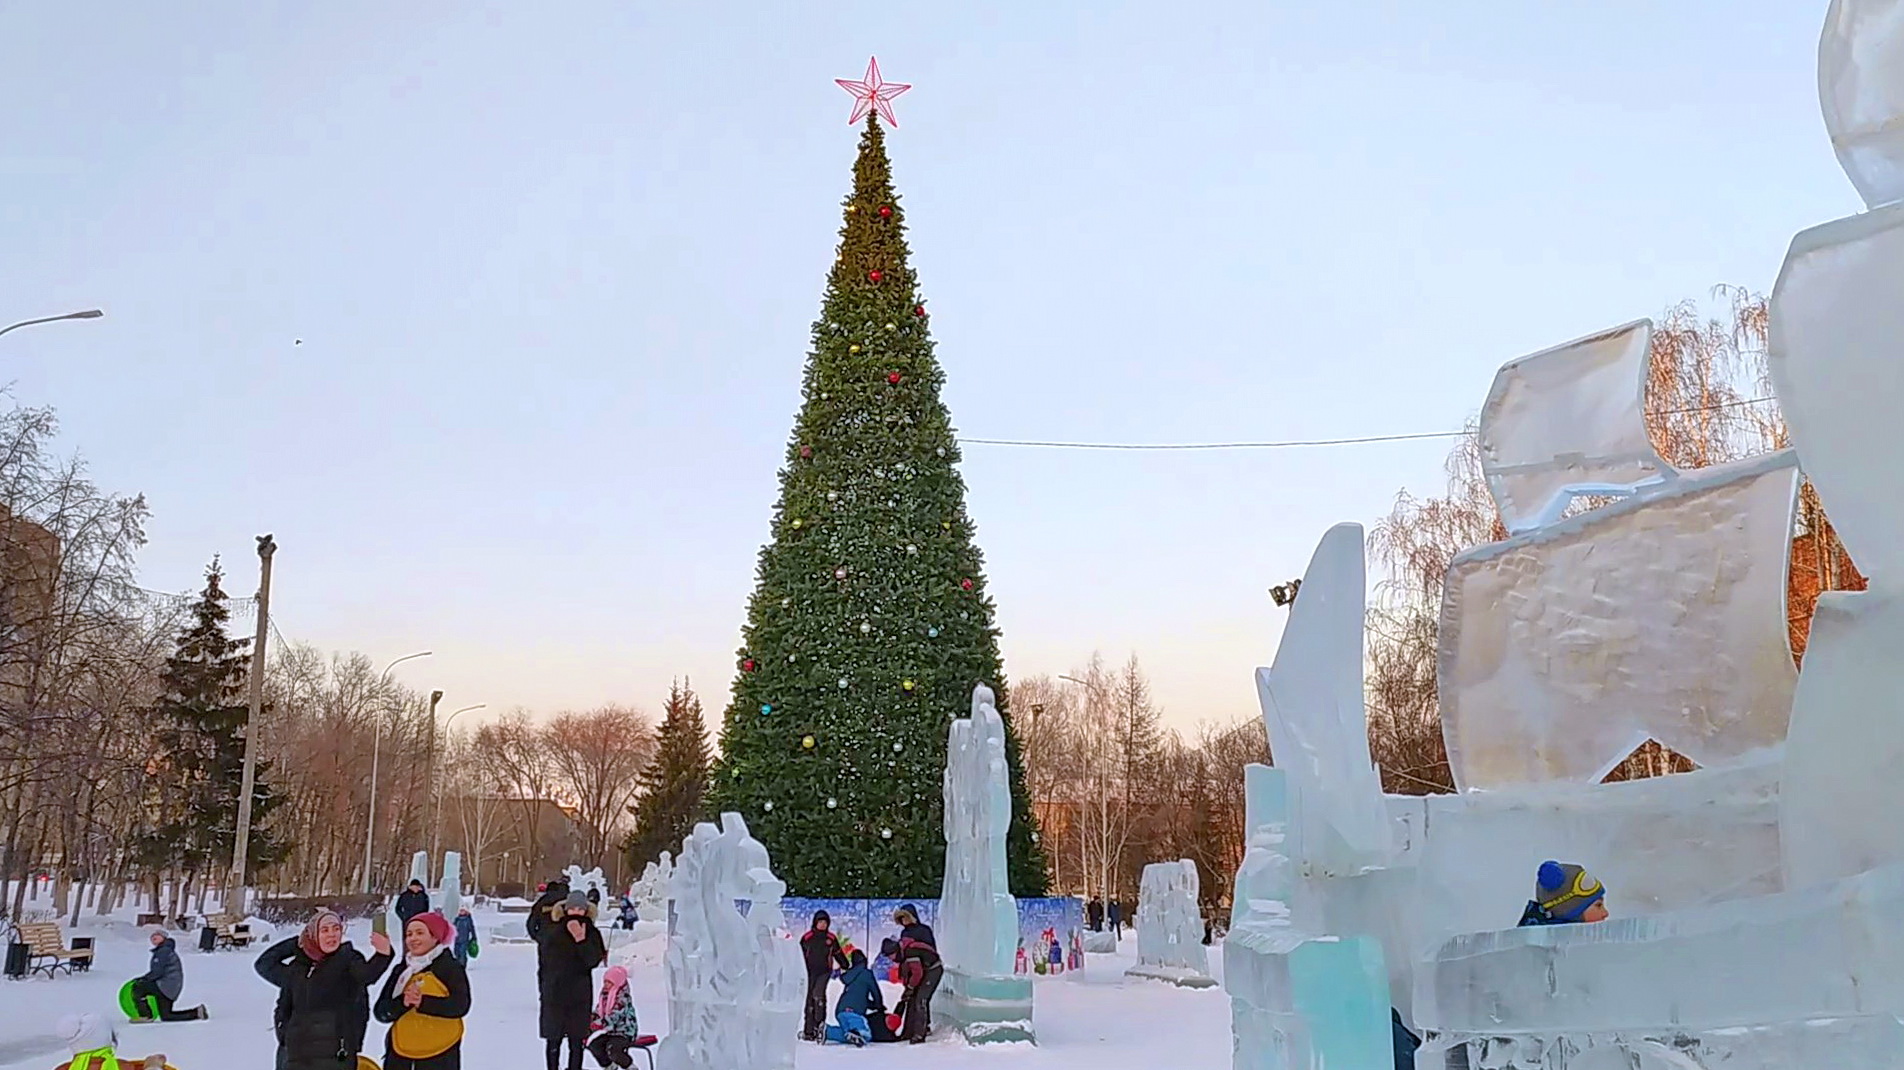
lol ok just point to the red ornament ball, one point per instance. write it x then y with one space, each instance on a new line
806 452
893 378
885 211
875 274
747 666
966 584
918 310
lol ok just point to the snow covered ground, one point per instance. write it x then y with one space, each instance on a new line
1097 1019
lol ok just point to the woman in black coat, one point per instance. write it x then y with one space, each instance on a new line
566 958
425 999
323 1008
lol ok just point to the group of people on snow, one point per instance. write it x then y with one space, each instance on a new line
860 1015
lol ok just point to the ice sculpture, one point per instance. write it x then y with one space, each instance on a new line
735 985
651 893
420 868
1859 63
584 882
1313 707
1297 1001
1658 616
978 918
1835 360
1170 926
449 896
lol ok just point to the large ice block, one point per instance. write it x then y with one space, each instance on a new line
1825 952
1660 615
1861 84
651 893
1837 361
1170 926
1298 1001
978 917
449 895
735 983
1568 421
1313 707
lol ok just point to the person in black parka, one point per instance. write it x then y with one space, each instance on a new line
548 906
323 1002
821 949
413 901
567 954
426 948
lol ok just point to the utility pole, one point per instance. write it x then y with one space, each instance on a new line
241 847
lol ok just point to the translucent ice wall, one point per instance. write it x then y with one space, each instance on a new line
1298 1001
449 897
1826 952
1169 921
1314 709
978 918
1658 616
735 984
1837 362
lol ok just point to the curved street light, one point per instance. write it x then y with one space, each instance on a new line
436 825
376 747
89 314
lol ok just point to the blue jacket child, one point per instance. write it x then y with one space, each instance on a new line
861 1009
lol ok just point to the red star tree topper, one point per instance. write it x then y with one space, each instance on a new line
872 94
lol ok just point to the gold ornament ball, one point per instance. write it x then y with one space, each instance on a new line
890 327
908 685
797 522
853 348
807 742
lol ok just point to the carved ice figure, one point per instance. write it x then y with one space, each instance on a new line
1170 926
1313 707
420 868
1837 361
1298 1001
735 984
651 893
978 918
1658 616
449 895
582 882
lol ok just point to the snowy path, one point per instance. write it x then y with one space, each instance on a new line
1098 1020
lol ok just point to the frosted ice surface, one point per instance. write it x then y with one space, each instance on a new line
978 918
1661 615
1837 361
1170 926
735 984
1298 1001
420 868
1313 706
651 892
1660 844
450 895
1826 952
1861 85
1568 420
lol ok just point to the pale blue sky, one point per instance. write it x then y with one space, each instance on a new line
554 267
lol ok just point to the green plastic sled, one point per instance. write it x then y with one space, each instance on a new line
148 1013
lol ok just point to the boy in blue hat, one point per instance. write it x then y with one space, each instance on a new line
1565 894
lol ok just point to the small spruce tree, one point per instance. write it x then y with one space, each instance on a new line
674 784
200 756
870 622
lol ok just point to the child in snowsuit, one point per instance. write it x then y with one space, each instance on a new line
861 1009
821 949
614 1020
92 1043
465 943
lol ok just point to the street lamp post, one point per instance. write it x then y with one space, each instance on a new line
436 823
376 748
89 314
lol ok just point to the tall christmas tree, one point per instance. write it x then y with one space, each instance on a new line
199 764
674 785
870 622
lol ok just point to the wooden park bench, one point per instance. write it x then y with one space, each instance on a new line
47 951
232 930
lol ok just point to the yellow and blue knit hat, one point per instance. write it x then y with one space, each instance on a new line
1565 891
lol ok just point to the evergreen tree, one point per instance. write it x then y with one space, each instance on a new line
870 623
200 759
674 784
